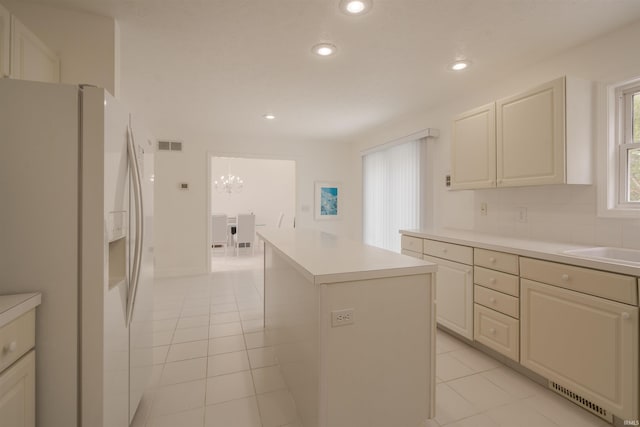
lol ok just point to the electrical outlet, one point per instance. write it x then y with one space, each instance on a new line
483 208
522 214
341 317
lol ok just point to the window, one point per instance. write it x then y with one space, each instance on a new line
619 164
629 145
392 190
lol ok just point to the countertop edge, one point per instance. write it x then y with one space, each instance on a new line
504 244
374 274
20 307
306 273
347 275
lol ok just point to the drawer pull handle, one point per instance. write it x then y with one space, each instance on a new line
492 331
492 300
492 260
625 315
492 280
11 347
565 277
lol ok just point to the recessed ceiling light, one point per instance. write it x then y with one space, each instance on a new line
324 49
460 65
355 7
269 116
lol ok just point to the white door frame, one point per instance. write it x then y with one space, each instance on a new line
211 154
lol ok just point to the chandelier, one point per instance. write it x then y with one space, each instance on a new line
228 184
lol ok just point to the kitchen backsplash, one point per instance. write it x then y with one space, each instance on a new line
563 213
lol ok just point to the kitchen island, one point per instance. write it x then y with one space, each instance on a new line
353 329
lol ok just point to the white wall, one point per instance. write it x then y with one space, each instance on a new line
89 48
559 213
269 188
181 242
86 43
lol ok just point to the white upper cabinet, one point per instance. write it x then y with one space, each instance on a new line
543 135
530 136
538 137
473 149
5 41
31 59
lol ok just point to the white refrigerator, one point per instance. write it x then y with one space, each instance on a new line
76 213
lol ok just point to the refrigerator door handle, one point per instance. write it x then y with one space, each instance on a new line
139 221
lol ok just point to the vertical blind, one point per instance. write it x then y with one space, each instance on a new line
392 193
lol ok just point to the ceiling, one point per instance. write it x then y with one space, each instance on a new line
216 66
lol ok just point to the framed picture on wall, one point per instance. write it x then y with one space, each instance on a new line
327 200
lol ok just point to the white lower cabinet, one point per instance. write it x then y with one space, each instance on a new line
497 307
17 364
454 296
586 344
17 393
575 326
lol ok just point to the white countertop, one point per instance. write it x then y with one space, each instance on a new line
14 306
326 258
550 251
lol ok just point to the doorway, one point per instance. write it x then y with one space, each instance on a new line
265 188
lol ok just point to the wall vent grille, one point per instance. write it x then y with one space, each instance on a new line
170 145
585 403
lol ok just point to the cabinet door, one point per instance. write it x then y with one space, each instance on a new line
454 296
17 393
31 59
584 343
473 149
5 41
530 136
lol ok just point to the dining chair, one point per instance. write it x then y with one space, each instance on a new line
245 231
219 231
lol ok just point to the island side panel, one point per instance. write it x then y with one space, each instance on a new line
378 371
291 327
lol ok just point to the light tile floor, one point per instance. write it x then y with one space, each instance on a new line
213 367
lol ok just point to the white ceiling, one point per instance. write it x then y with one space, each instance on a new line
215 66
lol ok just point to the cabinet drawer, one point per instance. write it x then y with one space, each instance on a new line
496 260
411 253
450 251
612 286
501 282
16 338
411 243
505 304
497 331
